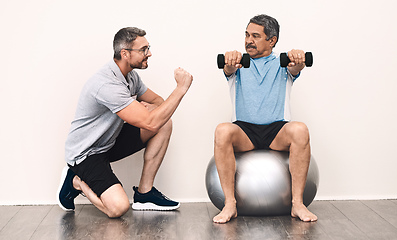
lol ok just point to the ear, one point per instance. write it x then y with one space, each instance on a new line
123 53
273 41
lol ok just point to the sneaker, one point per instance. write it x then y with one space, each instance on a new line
153 200
66 192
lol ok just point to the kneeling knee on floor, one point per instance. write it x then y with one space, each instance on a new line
118 211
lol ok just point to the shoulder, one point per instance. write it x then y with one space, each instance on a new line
105 77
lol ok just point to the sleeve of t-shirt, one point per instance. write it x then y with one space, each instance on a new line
292 77
115 96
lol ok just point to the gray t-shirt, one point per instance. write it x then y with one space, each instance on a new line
96 125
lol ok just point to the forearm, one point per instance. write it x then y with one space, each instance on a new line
150 116
229 70
295 70
297 58
158 101
147 115
151 98
162 114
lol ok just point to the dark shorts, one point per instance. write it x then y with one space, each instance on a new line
96 171
261 135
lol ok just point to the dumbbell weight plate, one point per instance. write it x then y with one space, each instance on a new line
309 59
245 61
221 60
284 60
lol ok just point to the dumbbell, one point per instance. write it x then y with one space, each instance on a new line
284 60
245 61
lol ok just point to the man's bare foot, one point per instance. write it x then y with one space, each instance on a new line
228 212
299 210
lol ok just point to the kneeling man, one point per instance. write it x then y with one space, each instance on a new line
117 115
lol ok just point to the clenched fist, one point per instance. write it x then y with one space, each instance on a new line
183 78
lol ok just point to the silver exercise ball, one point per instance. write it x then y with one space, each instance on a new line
263 183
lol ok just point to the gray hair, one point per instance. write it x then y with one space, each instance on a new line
124 37
270 25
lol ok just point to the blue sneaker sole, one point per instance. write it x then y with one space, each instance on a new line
153 207
63 176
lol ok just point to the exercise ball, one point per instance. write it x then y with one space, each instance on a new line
263 183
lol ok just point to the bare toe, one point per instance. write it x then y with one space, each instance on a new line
300 211
226 215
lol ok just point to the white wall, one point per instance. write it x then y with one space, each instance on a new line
50 48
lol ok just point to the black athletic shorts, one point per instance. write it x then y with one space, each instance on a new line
96 171
261 135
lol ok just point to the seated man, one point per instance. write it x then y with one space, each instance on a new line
260 96
117 115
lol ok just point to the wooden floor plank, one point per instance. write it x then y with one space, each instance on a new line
368 221
193 221
334 223
385 208
7 213
297 229
93 224
235 229
25 222
156 224
266 228
55 225
325 210
107 228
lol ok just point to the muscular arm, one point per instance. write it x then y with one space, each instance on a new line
151 97
138 115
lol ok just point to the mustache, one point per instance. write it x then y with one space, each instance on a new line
250 46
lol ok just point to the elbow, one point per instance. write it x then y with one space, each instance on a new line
146 125
152 128
155 128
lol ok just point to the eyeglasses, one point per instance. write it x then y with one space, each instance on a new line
145 51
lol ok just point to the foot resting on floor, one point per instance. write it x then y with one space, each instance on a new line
228 212
300 211
153 200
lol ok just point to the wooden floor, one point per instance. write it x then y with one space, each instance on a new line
337 220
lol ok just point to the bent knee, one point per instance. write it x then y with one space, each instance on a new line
299 132
118 210
223 133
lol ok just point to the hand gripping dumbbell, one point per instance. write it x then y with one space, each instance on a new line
284 60
245 61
